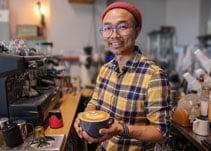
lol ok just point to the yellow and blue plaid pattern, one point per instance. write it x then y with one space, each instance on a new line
137 96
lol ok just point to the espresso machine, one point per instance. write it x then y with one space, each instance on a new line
26 90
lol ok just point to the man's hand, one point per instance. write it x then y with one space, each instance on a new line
106 133
78 128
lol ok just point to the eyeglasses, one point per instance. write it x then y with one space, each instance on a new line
122 29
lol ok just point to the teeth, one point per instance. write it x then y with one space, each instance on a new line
115 43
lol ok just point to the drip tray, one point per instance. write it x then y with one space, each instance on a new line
53 145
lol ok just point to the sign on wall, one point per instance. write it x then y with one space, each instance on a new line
4 15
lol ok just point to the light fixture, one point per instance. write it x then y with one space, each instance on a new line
41 11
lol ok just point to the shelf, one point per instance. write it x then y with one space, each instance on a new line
71 58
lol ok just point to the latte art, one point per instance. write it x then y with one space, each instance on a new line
94 116
93 121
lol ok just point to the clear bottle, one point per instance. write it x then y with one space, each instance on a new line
204 102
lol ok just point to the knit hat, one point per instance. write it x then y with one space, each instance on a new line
124 5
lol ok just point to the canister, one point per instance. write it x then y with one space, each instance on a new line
12 135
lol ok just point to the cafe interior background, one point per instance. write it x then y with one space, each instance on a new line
171 33
72 25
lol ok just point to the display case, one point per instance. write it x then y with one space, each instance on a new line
160 47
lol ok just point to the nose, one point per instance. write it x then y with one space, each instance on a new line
115 33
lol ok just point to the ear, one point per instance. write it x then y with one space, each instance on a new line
138 30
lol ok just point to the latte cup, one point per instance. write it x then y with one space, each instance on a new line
93 121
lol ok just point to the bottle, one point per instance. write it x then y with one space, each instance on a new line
204 102
202 84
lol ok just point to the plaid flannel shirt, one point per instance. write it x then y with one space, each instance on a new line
139 95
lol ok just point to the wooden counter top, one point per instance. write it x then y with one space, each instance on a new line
68 107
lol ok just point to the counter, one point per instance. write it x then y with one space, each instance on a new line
192 137
69 104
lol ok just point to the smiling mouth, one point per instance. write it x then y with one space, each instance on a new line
116 44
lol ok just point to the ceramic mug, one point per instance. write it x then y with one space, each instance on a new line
201 126
93 121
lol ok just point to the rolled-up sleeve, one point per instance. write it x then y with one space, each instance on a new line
157 102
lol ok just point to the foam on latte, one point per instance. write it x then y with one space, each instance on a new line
94 116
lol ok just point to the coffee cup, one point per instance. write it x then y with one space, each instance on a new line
201 126
23 126
93 121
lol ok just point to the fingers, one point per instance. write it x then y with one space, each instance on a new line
91 140
78 128
111 131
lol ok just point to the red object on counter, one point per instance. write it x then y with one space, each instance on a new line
55 118
55 122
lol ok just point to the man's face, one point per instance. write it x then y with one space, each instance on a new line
117 43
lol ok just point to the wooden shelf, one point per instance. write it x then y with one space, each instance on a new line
71 58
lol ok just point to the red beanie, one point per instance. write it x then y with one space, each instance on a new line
129 7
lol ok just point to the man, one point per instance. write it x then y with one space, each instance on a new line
131 88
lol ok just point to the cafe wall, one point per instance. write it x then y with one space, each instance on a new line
22 13
80 23
71 26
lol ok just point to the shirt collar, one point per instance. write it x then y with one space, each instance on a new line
131 64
